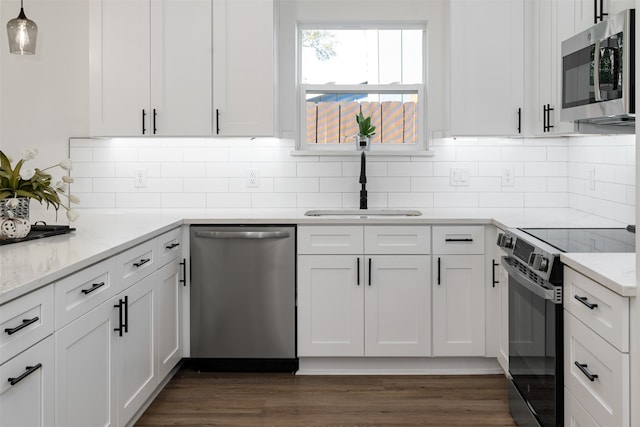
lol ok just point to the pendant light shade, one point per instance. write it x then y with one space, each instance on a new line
22 33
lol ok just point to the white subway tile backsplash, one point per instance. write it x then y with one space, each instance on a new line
212 173
501 200
320 169
410 169
319 200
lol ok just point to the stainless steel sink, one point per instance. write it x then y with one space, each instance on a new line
363 212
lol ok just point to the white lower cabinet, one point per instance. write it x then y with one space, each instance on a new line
85 369
168 315
458 291
136 372
27 387
596 357
355 304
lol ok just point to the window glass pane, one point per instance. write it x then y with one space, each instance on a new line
361 56
330 117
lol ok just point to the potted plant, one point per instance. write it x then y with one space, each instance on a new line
366 131
18 185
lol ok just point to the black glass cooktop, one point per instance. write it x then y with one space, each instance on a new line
586 239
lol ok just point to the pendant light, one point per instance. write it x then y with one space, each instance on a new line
22 34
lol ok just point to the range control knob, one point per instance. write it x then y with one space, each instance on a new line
539 262
508 242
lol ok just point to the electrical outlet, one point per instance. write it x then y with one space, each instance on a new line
460 177
507 177
252 178
592 179
140 178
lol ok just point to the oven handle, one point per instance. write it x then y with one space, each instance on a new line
596 72
547 294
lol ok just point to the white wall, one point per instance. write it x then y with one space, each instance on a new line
211 173
45 97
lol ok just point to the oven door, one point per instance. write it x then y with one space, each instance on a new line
535 350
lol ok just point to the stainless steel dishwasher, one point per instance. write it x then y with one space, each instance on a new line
243 302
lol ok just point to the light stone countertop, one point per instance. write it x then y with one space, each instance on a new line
99 234
614 271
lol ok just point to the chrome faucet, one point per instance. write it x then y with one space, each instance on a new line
363 181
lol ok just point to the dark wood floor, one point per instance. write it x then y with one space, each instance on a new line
224 399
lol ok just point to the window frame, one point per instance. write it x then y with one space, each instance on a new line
302 89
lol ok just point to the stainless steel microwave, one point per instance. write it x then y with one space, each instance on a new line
598 67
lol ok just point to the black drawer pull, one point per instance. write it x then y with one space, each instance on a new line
458 240
369 271
171 246
358 269
583 368
438 270
24 324
141 262
584 301
493 273
29 370
120 307
93 288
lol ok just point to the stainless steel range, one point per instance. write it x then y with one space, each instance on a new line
535 313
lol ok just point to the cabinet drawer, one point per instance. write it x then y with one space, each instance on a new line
463 239
389 240
80 292
575 414
136 263
330 239
606 394
30 400
25 321
169 246
601 309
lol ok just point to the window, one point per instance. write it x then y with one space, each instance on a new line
378 71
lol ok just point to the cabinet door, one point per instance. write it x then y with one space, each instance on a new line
553 24
119 76
330 305
243 73
487 67
29 401
181 63
168 315
85 370
136 349
397 301
458 305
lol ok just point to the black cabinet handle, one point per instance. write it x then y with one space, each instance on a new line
358 268
583 368
120 308
458 240
217 122
93 288
519 120
155 115
601 15
369 271
126 314
141 262
144 116
438 270
29 370
171 246
24 324
183 263
493 272
549 125
584 301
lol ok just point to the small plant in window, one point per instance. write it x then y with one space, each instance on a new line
364 125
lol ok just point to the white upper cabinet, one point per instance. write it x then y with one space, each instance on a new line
487 68
553 24
590 12
151 68
243 75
